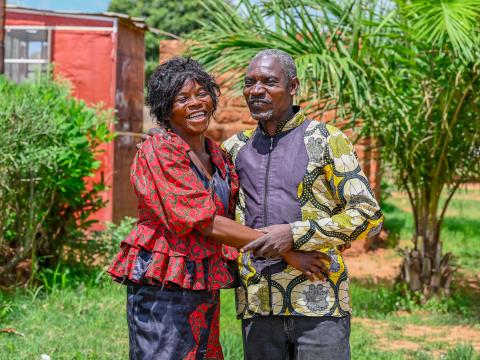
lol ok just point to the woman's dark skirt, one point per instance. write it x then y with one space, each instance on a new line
166 323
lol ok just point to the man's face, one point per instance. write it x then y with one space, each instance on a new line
269 95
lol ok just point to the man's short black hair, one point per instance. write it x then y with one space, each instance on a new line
167 81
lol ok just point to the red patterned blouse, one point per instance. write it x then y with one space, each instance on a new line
173 206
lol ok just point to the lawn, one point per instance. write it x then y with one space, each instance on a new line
89 323
85 319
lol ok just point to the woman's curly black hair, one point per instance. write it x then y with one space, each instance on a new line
167 81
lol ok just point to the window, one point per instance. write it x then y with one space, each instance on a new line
27 52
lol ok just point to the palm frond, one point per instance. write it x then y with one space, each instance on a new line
443 22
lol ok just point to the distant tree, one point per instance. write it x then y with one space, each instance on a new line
170 16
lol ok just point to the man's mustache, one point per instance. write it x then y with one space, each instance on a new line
252 100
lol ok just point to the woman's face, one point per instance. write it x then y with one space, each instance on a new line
191 110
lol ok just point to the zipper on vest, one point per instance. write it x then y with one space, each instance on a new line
265 221
265 192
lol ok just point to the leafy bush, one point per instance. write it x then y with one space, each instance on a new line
82 267
65 276
49 145
98 248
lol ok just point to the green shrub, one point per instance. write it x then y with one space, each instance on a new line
98 248
49 145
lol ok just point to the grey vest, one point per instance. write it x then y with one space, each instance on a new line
270 170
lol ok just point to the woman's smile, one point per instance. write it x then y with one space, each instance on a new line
197 116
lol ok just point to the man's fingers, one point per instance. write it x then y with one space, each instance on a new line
323 264
271 252
260 250
323 267
314 274
344 247
309 275
153 131
265 251
319 271
322 256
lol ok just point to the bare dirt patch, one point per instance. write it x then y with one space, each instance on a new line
447 334
416 337
378 265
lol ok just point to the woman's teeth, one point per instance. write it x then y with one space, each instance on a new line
196 115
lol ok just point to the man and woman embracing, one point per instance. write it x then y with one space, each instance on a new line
297 196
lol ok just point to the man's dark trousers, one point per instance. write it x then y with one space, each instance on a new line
296 338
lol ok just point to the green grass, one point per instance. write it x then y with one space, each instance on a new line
383 301
89 323
82 323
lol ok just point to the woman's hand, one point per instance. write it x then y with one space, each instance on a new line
313 264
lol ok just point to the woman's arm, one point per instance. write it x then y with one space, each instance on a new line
313 264
230 233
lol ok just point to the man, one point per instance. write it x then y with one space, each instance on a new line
302 185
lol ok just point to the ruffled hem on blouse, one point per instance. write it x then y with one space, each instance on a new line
157 268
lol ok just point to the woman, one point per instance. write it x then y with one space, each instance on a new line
174 262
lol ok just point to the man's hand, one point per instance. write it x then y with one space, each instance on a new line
314 264
275 243
151 132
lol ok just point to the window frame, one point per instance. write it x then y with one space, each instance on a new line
26 61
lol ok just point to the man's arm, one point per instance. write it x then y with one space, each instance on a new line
359 215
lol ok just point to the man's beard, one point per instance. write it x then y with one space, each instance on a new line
262 116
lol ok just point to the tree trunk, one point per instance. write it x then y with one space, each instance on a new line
2 35
424 268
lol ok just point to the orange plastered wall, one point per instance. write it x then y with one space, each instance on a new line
87 61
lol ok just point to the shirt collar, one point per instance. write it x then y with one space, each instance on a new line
294 122
216 154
